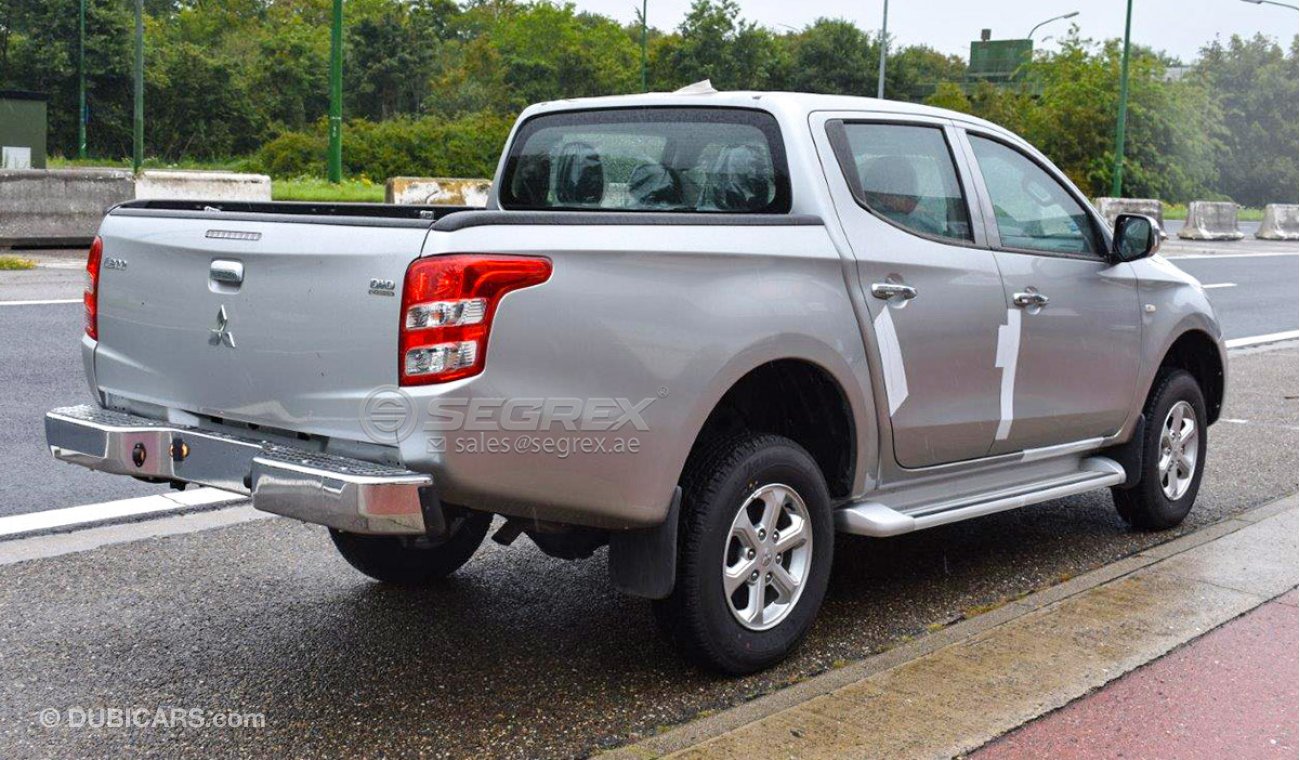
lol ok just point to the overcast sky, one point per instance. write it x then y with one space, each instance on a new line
1179 27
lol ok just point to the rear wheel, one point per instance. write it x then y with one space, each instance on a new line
754 554
415 560
1173 456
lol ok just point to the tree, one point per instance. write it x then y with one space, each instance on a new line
715 43
522 54
1255 85
913 72
834 57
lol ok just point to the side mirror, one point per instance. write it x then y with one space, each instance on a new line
1136 236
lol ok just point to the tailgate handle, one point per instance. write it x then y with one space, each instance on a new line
230 272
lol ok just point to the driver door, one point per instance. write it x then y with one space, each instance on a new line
1072 348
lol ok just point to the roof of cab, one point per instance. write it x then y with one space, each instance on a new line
792 103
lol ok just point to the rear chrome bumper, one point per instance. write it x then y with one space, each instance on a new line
343 493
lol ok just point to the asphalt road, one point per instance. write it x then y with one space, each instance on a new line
518 655
1264 296
40 361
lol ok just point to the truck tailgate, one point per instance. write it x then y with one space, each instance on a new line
298 343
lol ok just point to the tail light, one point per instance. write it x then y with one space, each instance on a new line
447 307
91 297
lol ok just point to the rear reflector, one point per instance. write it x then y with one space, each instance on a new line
91 296
448 303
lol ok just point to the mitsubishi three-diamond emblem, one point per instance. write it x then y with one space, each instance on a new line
221 332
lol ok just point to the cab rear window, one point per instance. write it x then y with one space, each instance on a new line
708 160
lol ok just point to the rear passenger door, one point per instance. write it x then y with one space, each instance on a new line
1072 346
932 291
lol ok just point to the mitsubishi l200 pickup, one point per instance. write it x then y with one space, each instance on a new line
705 330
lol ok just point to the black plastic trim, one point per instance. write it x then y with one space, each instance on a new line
611 218
292 217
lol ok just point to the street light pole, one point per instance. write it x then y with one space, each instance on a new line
334 161
884 43
1071 14
81 88
644 86
137 152
1117 180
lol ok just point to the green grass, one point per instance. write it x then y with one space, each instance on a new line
313 189
14 264
226 165
1179 211
282 188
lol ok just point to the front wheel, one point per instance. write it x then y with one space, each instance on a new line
415 560
754 554
1173 456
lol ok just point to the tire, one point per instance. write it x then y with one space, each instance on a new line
699 617
414 560
1153 503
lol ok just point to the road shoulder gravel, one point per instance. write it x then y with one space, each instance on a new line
1025 659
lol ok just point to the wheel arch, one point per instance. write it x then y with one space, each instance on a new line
1200 355
796 398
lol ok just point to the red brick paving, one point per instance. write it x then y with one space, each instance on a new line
1230 694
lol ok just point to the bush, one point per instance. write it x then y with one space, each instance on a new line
293 154
427 147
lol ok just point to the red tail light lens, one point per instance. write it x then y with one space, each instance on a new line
91 297
448 303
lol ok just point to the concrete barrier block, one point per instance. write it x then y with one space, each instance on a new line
1281 222
1113 207
1211 220
201 185
437 191
58 206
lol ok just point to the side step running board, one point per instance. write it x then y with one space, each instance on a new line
869 518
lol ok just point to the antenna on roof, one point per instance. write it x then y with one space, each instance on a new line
704 87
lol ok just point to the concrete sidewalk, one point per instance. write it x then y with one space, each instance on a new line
954 691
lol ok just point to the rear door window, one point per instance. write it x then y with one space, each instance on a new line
904 173
649 159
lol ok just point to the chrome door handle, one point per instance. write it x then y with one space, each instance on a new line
887 290
1029 298
229 272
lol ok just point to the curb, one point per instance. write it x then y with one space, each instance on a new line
720 733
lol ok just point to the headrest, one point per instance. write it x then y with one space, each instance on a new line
579 177
654 185
742 180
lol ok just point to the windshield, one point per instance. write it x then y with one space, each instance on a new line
649 159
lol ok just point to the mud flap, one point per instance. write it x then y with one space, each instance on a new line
643 562
1129 455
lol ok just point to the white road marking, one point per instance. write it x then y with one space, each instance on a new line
1180 255
26 548
1234 420
41 303
1212 286
71 517
1255 340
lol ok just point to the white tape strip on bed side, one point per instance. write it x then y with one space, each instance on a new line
1008 354
891 356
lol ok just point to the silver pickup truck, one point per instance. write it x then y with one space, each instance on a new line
706 330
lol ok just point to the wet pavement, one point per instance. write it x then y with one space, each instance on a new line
950 693
519 655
